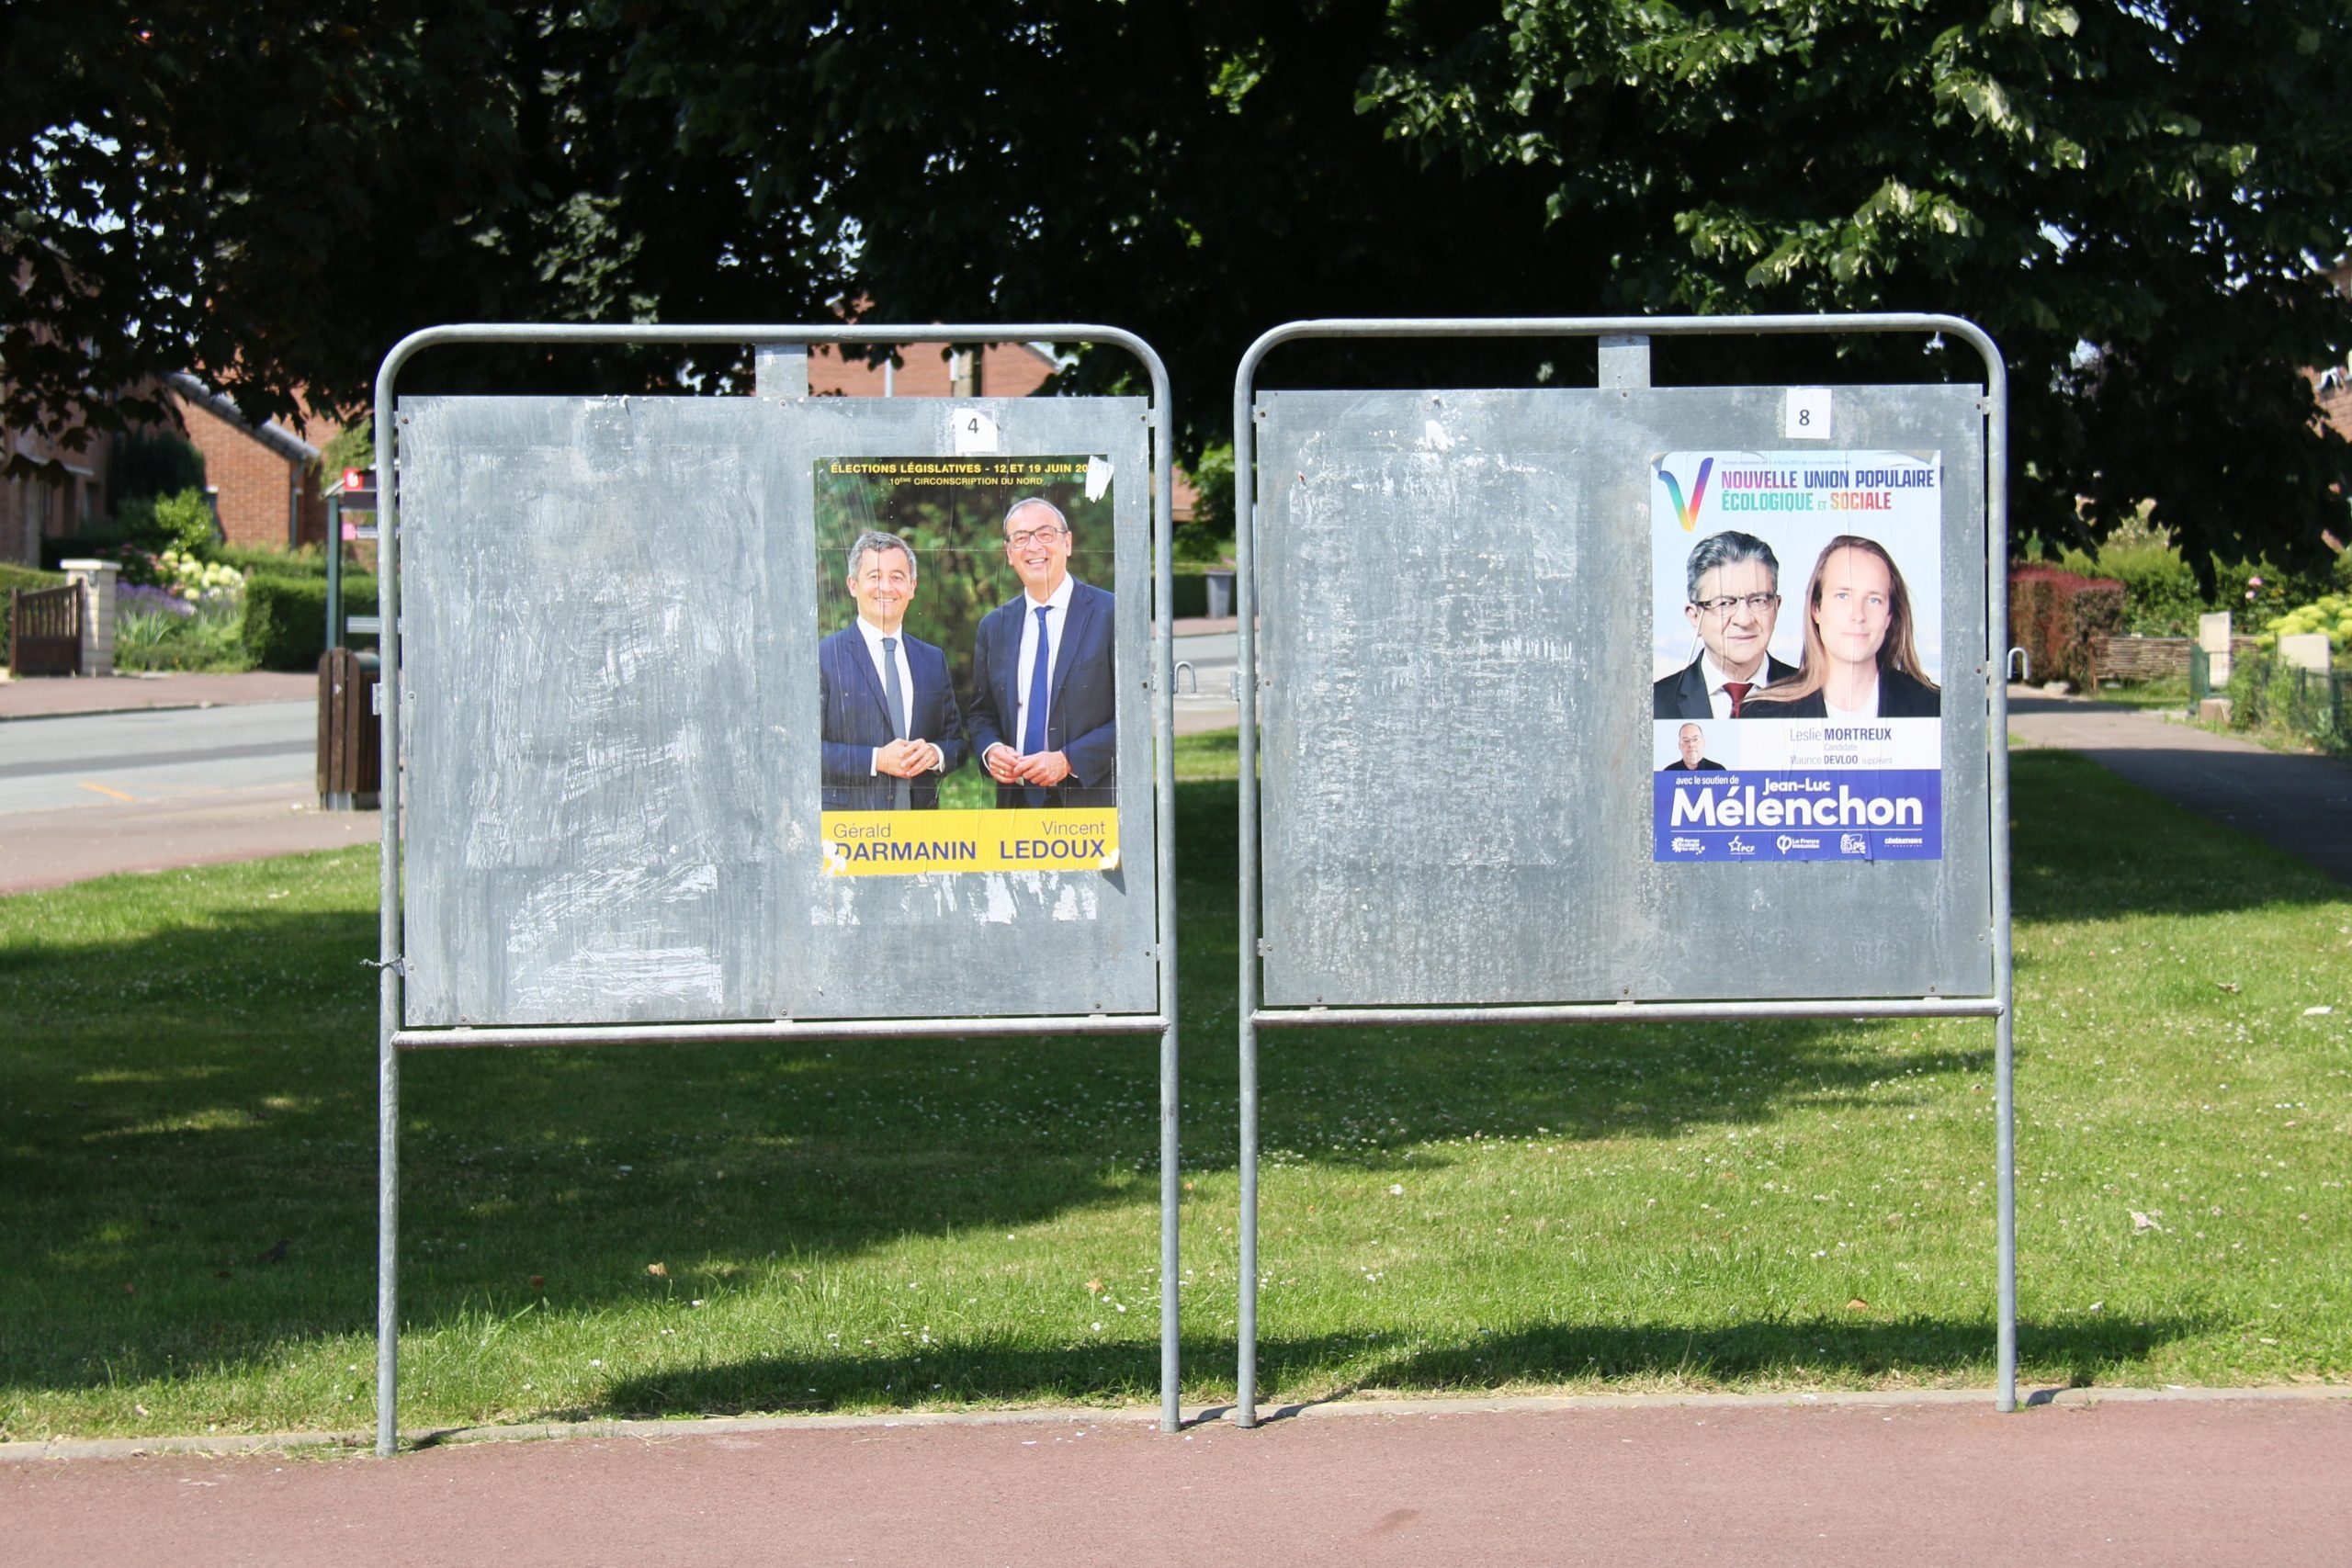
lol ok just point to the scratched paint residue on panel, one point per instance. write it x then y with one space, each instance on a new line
1077 900
998 907
1442 675
584 686
835 904
553 908
629 979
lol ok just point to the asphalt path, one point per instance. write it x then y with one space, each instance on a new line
167 754
86 795
2300 805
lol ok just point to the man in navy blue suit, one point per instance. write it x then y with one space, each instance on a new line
892 728
1043 712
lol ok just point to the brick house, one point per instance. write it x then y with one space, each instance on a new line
33 510
934 370
264 478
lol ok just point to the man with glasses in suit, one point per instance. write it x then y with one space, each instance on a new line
1043 714
1733 587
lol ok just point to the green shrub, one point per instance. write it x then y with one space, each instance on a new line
144 525
2307 706
149 636
309 561
353 447
14 577
2330 615
187 521
2160 593
286 617
2054 614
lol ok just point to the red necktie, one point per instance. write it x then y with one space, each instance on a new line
1738 690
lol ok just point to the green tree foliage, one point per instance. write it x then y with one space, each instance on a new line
2130 195
956 533
271 198
353 447
2160 595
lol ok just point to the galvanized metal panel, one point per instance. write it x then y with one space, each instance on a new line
609 700
1453 593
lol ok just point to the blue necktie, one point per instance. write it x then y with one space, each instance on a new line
902 795
1041 692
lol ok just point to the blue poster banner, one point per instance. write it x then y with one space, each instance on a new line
1800 814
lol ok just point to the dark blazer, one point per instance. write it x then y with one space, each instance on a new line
1684 696
857 719
1081 717
1899 696
1706 765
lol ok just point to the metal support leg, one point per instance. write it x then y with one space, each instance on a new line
1245 1399
2004 1137
388 1248
1171 1414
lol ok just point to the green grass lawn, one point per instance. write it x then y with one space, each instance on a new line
2170 694
188 1150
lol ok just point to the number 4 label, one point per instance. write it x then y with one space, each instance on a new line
974 432
1805 414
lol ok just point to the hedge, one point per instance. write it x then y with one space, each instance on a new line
13 576
258 562
286 617
2053 615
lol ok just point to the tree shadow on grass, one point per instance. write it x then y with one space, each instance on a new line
1819 1353
195 1089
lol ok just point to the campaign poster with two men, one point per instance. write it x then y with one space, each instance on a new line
1796 685
965 667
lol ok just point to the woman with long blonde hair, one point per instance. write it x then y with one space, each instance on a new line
1860 660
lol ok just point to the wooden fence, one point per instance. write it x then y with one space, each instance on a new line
45 637
2151 658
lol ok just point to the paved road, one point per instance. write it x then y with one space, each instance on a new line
2186 1481
51 763
1205 695
87 794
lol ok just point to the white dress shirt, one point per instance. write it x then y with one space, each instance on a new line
1058 602
873 636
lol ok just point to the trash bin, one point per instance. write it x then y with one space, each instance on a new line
351 757
1220 594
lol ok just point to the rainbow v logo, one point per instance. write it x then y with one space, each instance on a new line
1688 513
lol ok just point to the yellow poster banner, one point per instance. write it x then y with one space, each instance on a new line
909 843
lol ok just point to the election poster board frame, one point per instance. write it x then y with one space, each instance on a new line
1138 893
1357 659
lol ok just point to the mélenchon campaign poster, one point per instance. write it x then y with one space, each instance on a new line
1797 700
964 665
